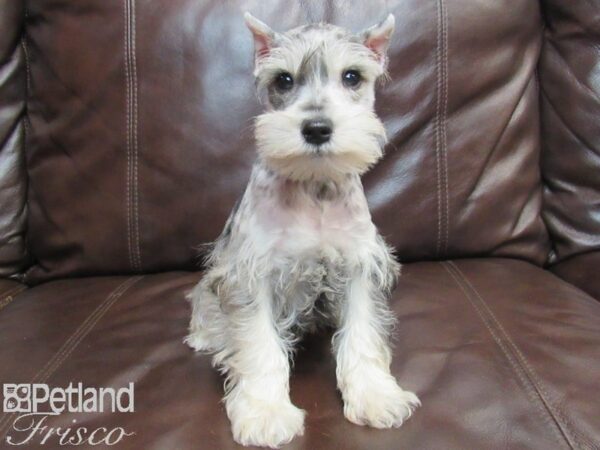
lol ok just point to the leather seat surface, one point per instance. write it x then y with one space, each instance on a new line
502 354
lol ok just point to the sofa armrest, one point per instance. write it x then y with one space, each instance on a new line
581 271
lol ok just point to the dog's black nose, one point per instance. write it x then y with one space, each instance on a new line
317 131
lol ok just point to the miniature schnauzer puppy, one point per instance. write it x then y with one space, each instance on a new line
300 248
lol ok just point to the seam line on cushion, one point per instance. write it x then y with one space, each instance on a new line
537 382
73 341
9 295
131 144
127 130
26 54
437 134
136 198
441 150
9 291
519 372
444 128
26 127
508 349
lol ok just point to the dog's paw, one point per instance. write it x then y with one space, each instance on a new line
198 341
267 425
379 403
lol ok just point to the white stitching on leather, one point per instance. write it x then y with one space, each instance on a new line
27 81
9 295
438 114
441 141
136 223
128 129
74 340
517 370
520 361
132 193
444 130
532 374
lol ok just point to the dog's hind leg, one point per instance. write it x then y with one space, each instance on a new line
208 323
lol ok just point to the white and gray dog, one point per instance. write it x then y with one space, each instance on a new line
300 248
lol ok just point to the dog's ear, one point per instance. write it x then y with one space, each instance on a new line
377 38
263 35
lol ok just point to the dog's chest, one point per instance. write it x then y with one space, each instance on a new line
326 220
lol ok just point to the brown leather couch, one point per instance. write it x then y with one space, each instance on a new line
125 132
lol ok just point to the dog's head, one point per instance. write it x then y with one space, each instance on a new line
317 83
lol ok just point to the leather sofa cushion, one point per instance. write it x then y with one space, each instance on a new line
502 354
582 271
8 291
141 128
570 104
13 178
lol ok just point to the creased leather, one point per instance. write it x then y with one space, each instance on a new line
151 131
570 101
582 271
13 179
504 355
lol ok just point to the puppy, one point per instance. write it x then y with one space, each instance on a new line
300 248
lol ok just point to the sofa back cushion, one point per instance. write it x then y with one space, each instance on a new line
13 179
570 113
141 118
570 81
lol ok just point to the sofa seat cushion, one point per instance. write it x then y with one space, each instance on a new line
501 353
8 290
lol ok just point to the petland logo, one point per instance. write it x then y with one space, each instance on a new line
35 403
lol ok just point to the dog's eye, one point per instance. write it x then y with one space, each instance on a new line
284 82
351 78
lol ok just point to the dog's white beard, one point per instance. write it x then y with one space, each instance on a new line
356 144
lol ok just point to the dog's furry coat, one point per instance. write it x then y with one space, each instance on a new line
300 247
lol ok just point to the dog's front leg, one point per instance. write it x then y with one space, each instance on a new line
371 394
257 400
